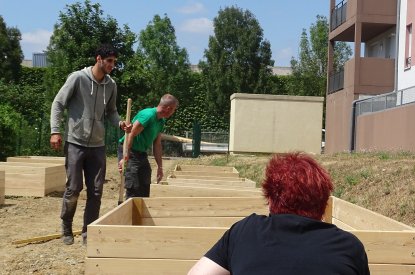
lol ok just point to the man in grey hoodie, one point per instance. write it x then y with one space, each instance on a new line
89 95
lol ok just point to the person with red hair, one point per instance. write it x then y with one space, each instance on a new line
292 239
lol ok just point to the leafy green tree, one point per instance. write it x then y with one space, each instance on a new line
11 54
9 130
238 59
27 98
310 70
164 66
77 34
196 110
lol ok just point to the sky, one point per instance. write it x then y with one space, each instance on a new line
282 21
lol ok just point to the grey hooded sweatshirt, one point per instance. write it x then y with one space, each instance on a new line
88 103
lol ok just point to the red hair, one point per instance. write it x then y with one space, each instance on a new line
296 184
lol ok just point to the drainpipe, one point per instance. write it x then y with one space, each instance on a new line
398 20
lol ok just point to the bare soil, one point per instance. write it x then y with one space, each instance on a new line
23 218
382 182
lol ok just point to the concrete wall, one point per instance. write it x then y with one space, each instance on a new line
275 123
338 120
390 130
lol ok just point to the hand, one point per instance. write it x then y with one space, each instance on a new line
159 174
121 163
56 141
126 127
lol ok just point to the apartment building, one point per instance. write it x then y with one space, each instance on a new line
380 33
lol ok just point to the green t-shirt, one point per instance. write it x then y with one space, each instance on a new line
152 127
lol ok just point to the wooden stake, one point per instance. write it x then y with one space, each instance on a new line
44 238
124 154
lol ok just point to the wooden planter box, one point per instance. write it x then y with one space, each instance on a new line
168 235
33 179
37 159
199 190
2 183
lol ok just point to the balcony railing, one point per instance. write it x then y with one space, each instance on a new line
385 101
336 81
338 15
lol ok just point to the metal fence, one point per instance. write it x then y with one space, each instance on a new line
385 101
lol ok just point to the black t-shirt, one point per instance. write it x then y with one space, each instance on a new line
288 244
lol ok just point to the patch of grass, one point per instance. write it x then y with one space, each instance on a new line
403 208
384 155
222 161
352 180
365 174
338 191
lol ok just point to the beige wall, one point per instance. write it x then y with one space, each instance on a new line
275 123
389 130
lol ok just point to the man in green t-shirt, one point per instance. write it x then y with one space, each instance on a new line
146 131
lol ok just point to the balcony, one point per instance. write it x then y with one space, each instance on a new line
376 16
338 15
336 82
369 75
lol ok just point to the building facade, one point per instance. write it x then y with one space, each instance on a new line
381 34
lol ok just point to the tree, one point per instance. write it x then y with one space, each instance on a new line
310 70
164 63
11 54
77 34
9 130
237 60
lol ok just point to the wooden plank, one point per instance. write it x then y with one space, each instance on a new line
341 224
191 221
388 269
213 182
2 186
158 190
185 167
37 159
167 242
364 219
118 266
388 247
172 266
205 173
44 238
327 217
149 242
121 215
213 186
203 207
29 164
196 177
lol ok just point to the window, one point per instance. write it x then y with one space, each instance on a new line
408 46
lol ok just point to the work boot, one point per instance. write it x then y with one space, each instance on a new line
67 234
68 240
84 240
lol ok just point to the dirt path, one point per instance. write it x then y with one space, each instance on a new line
26 217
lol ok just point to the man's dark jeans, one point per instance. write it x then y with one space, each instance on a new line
80 162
